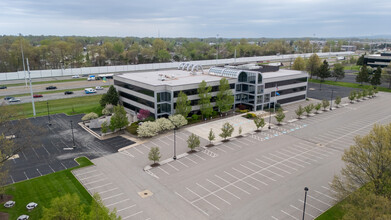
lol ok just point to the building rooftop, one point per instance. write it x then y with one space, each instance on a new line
282 73
169 77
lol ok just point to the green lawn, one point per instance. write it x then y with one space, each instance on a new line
70 106
347 84
352 67
43 189
46 82
334 212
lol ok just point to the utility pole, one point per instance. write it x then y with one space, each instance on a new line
31 88
24 67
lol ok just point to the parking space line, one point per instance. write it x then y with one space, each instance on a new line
231 184
146 147
153 143
198 156
96 181
273 165
64 166
25 174
258 173
12 179
163 142
91 176
182 163
203 198
250 177
294 153
117 202
45 149
220 149
287 160
235 145
24 155
109 190
79 174
191 160
192 204
163 170
138 150
289 215
119 210
241 179
225 145
39 172
307 203
268 165
319 200
244 143
35 152
274 218
51 169
214 194
302 210
326 195
172 167
329 189
223 189
112 196
180 138
295 157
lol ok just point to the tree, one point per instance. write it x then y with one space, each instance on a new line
111 97
386 75
67 206
313 65
280 115
360 60
364 93
240 131
367 163
165 124
299 64
109 109
324 71
370 92
352 96
193 141
376 77
338 71
308 109
299 112
225 98
226 130
143 114
325 104
259 122
183 106
337 100
362 76
317 107
154 155
211 136
100 211
206 107
358 95
178 120
148 129
104 127
89 116
119 119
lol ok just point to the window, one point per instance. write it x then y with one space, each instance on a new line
259 99
260 89
292 99
267 98
285 82
163 97
164 108
288 91
137 99
243 77
134 88
259 78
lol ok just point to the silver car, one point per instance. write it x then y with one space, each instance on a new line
9 204
31 205
14 100
23 217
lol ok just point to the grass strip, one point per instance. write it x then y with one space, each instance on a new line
350 85
45 188
46 82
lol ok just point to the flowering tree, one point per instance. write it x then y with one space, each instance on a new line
178 120
89 116
143 114
148 129
164 124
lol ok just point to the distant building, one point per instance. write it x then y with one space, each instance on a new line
253 86
375 60
348 48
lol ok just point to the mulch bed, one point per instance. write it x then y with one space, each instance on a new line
191 152
155 165
209 145
4 199
225 140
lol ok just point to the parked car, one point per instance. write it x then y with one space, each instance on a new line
68 93
23 217
3 87
98 87
8 98
75 76
37 96
14 100
51 87
9 204
31 205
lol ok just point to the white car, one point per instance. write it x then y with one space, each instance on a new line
75 76
23 217
14 100
9 204
31 205
98 87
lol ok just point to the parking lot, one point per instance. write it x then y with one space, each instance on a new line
55 153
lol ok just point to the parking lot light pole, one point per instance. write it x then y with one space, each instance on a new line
305 199
47 106
270 117
331 102
73 136
175 128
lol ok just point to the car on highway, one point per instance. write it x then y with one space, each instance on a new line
23 217
98 87
89 90
14 100
51 87
68 93
75 76
9 204
31 205
37 96
3 87
8 98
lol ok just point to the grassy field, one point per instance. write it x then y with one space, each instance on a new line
352 67
334 212
46 82
43 189
350 85
50 92
69 106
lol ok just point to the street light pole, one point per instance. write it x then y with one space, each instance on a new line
331 103
174 143
47 106
73 136
305 200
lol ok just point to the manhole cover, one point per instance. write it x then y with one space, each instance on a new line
144 194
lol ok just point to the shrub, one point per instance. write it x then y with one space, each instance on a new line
154 155
89 116
178 120
109 109
280 115
250 115
148 129
214 113
211 136
143 114
308 109
132 128
325 104
165 124
300 111
318 106
243 111
338 100
195 117
193 141
104 127
226 130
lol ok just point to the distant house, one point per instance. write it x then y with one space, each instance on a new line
348 48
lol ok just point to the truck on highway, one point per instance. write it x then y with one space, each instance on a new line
91 78
89 90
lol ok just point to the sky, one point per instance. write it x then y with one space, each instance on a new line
197 18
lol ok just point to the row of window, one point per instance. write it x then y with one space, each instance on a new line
195 101
134 108
163 97
288 91
137 99
189 92
135 88
285 82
